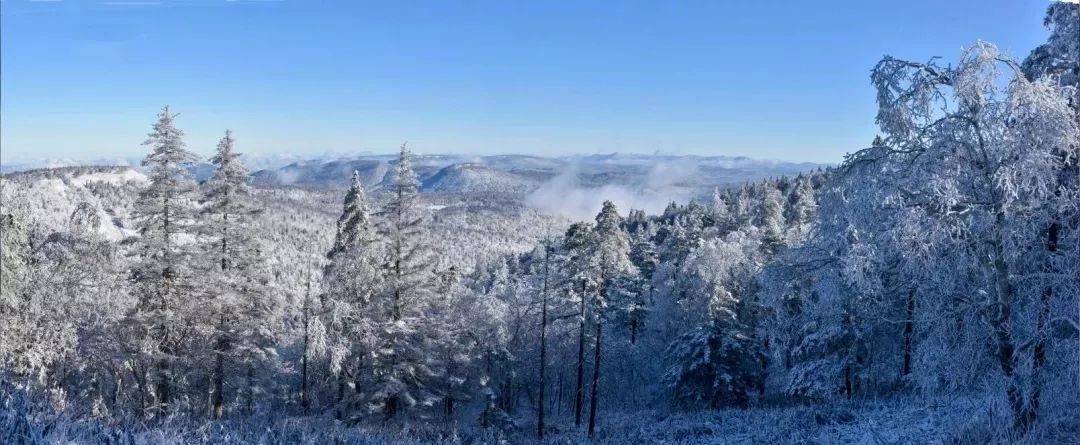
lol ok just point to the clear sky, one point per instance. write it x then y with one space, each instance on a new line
774 80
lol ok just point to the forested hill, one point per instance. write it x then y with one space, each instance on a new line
925 289
507 173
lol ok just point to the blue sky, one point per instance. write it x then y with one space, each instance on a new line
773 80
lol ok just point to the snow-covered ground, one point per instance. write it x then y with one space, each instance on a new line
904 420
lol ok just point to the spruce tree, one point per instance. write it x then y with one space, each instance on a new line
350 280
771 221
165 217
580 263
241 307
612 248
402 366
353 228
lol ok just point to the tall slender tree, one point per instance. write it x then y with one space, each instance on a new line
577 244
241 307
350 280
165 214
612 248
403 368
540 407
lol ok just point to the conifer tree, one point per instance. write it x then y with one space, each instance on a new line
241 308
576 244
771 221
165 217
612 249
350 280
402 366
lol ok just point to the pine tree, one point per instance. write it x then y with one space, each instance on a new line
540 407
720 213
353 227
350 280
742 210
241 308
165 218
577 243
403 367
800 205
612 248
713 363
771 221
643 256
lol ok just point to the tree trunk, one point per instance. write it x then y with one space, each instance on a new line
1039 353
219 368
250 390
115 396
1002 322
166 278
559 389
909 333
848 389
163 384
763 357
391 408
341 393
142 383
219 378
305 398
543 349
356 373
595 396
579 392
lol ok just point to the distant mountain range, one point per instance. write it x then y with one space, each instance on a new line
254 162
524 174
573 187
664 177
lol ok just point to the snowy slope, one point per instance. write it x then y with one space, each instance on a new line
103 195
476 178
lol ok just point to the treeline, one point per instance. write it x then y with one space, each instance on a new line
944 258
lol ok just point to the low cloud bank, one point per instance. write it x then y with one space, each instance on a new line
565 195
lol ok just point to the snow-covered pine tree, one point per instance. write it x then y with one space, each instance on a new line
771 220
548 249
713 354
612 249
644 258
452 314
800 208
720 213
350 279
241 309
712 364
165 215
353 227
402 367
580 283
742 210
